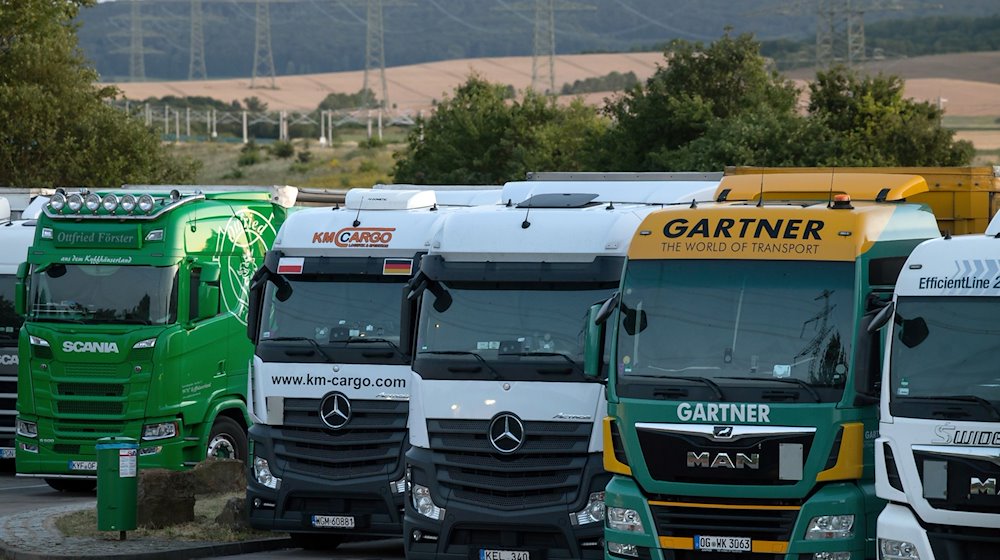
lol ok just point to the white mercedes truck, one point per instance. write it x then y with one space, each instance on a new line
938 451
330 379
505 434
16 237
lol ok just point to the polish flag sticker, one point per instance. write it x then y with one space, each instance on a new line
288 265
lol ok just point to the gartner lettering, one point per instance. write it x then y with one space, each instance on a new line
723 412
755 228
948 434
99 347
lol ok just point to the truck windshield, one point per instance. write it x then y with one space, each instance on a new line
145 295
10 323
521 330
341 316
943 358
786 321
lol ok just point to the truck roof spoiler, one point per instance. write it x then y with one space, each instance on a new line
622 176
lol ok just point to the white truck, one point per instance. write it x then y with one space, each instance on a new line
938 451
505 430
330 379
16 237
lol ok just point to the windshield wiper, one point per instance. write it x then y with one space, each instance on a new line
58 320
482 360
373 339
809 388
301 339
703 380
972 399
573 363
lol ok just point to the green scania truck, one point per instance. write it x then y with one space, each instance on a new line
135 307
742 381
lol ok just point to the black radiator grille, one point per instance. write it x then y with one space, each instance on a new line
372 443
758 524
546 469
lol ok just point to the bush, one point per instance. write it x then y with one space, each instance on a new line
282 149
305 156
249 154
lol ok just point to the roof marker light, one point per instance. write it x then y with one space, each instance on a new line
93 202
128 203
145 203
74 202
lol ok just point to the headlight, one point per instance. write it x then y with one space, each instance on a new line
93 202
830 527
623 549
897 550
148 343
831 556
145 203
27 429
37 341
161 430
57 202
128 202
110 202
74 202
422 502
592 512
624 519
262 472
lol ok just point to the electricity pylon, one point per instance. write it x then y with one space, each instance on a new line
196 68
375 52
543 57
263 59
137 59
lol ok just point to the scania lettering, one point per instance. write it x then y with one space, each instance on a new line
15 238
331 370
741 396
135 305
939 431
505 455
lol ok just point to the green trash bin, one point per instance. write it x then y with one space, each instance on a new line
117 466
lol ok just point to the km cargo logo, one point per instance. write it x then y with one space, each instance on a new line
356 237
99 347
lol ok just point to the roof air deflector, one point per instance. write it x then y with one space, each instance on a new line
560 200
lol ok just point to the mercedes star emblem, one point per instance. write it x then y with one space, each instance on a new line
506 432
335 410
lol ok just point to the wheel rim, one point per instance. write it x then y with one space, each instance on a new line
222 447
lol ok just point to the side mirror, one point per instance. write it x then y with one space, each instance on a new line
210 272
20 290
593 339
607 309
257 283
868 358
881 318
913 331
408 318
442 299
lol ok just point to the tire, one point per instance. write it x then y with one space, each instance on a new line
227 440
72 484
316 541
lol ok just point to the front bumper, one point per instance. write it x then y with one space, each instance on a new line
897 522
372 501
776 530
545 532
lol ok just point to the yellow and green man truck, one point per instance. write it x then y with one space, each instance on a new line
135 311
742 381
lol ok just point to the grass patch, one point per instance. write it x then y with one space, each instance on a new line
203 528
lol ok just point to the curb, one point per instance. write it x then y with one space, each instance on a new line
196 551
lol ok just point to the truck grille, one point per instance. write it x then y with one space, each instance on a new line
688 520
91 389
546 469
91 407
372 443
967 543
8 409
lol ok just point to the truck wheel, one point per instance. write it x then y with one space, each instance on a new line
228 440
316 541
72 484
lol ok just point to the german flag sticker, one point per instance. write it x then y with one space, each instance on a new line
397 267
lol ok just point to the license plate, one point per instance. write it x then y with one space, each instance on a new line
83 465
487 554
722 544
333 521
7 453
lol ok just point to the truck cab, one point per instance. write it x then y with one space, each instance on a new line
505 435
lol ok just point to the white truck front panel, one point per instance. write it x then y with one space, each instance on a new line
897 523
547 401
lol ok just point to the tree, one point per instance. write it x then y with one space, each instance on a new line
56 127
874 125
479 137
699 88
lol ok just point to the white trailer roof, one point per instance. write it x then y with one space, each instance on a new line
642 192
